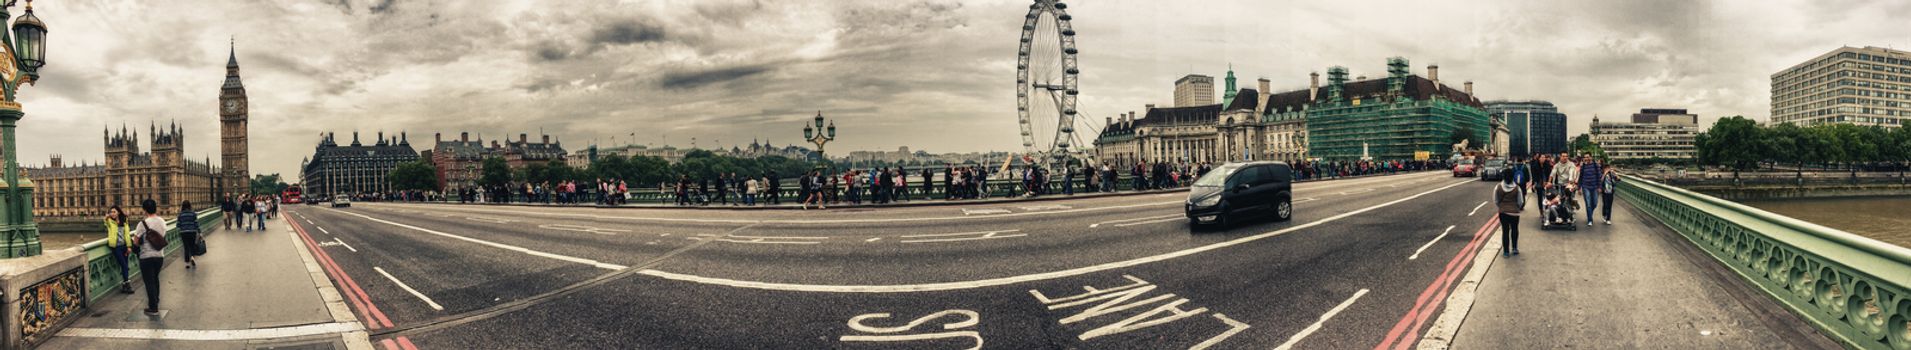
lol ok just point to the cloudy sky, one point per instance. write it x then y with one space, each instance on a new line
933 75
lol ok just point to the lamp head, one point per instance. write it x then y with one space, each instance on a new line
30 42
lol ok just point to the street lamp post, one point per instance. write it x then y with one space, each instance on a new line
820 135
25 52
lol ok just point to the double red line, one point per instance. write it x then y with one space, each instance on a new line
374 319
1407 331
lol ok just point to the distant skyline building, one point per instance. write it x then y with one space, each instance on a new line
1193 90
460 162
1533 126
1655 133
1862 86
357 168
1393 117
1390 118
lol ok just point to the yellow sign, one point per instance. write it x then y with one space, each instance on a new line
1422 155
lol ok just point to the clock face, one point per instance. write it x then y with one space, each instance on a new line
232 106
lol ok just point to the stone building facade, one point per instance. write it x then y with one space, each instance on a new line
356 168
1389 118
127 177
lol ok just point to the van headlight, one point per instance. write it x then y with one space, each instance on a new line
1208 201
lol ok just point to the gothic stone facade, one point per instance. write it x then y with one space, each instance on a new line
126 178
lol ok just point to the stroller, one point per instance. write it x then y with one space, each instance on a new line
1559 216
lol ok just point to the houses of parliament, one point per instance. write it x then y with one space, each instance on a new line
163 174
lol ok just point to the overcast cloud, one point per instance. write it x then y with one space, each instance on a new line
929 74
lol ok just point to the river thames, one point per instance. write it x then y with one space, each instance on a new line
1886 219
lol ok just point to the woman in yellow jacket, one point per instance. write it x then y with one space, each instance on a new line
119 244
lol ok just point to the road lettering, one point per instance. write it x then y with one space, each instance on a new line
1101 302
960 319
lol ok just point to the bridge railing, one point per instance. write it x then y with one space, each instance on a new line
103 275
1855 289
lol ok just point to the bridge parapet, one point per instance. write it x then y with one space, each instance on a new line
1855 289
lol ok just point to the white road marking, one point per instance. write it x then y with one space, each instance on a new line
524 250
979 235
762 239
1476 208
1363 190
414 292
487 219
984 211
942 286
1460 302
1304 199
585 229
215 334
1098 224
1296 339
1156 221
1046 207
873 239
831 221
1423 248
342 243
321 229
1233 327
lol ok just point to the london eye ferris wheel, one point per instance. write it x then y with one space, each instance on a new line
1047 85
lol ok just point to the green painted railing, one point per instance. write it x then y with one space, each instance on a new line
1855 289
103 274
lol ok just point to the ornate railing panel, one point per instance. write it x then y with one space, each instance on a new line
1855 289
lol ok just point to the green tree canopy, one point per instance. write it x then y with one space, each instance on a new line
414 176
496 172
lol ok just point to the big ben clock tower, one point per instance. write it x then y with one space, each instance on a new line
232 129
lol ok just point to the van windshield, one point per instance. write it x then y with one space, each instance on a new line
1218 176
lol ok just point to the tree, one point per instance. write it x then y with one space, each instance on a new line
267 184
1732 142
414 176
496 172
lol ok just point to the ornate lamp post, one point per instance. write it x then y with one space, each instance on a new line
25 52
820 138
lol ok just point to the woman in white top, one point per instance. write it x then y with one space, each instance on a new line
151 257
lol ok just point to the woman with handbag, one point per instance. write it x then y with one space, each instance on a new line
188 224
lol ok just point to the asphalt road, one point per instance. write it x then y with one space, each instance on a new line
1349 271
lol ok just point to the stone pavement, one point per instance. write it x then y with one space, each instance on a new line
252 290
1633 284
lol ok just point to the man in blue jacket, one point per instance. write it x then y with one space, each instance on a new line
1590 177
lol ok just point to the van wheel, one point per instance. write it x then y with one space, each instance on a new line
1284 210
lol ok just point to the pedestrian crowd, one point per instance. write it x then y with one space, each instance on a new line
1560 184
141 242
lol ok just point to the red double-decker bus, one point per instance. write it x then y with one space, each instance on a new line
290 195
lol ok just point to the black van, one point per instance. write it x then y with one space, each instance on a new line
1235 189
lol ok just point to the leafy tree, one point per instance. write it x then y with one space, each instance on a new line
1732 142
414 176
495 172
267 184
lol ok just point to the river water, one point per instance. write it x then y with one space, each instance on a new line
1886 219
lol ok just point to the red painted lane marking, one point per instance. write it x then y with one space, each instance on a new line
1400 336
369 305
358 295
405 343
356 300
388 344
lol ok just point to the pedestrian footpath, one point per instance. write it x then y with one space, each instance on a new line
1632 284
251 290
